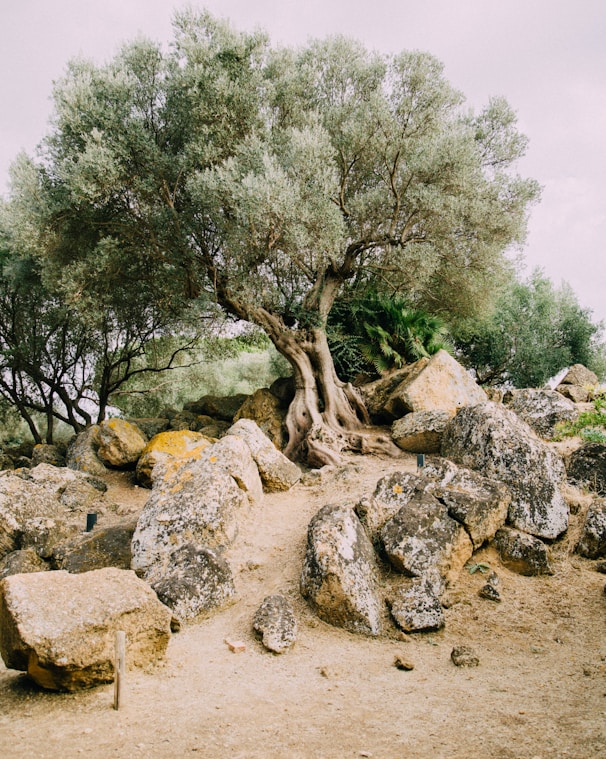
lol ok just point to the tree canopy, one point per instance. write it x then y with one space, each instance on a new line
268 178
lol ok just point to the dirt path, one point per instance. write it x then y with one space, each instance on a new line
540 689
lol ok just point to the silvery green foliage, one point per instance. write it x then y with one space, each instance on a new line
273 170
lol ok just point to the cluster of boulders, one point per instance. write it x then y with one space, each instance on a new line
142 577
387 559
497 479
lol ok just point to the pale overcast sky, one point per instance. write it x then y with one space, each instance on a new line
547 57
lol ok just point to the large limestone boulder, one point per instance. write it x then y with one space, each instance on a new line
171 445
268 413
60 628
196 582
496 442
578 384
376 394
339 576
580 375
542 409
422 540
420 431
120 443
82 452
586 467
442 384
233 456
192 505
277 472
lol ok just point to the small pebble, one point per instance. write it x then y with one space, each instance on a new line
464 656
400 662
493 579
490 593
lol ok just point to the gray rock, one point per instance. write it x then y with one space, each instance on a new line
490 593
277 472
48 454
103 547
390 494
586 467
417 609
219 407
422 540
493 440
196 582
275 622
60 628
420 431
523 553
82 452
592 544
479 504
31 514
542 409
188 506
22 562
339 575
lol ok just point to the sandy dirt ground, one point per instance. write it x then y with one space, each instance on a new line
539 691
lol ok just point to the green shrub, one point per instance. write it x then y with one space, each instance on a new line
590 425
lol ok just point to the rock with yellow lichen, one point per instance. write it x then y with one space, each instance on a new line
120 443
176 446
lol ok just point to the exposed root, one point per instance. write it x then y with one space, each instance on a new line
324 446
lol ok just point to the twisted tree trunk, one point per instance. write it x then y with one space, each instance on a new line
327 415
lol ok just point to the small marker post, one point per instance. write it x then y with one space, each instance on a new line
420 460
119 667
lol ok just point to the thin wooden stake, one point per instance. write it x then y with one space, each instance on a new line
119 667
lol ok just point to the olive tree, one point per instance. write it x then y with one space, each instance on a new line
271 178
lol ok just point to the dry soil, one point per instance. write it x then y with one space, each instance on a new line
539 690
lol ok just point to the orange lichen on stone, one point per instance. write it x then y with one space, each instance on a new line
172 449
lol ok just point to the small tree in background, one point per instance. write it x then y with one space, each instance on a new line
59 363
535 331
